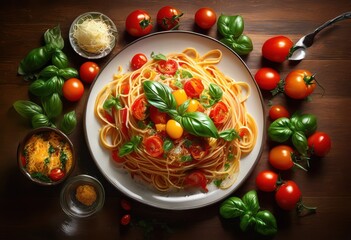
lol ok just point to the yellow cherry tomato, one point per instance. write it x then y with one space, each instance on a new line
174 129
193 105
180 96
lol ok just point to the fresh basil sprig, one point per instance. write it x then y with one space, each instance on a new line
68 122
130 146
248 210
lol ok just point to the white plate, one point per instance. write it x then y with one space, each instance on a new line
167 42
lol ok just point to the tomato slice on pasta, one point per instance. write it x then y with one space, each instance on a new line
140 108
196 179
169 66
219 113
154 146
193 87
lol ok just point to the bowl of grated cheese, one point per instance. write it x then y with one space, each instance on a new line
93 35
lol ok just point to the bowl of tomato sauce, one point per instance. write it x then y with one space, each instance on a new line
46 156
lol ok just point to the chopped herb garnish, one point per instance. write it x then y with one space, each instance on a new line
63 158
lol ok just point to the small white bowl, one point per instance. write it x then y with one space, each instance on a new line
70 204
93 15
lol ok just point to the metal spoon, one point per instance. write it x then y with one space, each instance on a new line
299 49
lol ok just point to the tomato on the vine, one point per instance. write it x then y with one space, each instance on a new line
267 181
73 89
267 78
138 23
288 195
138 60
280 157
319 143
168 17
205 17
278 111
299 84
88 71
277 49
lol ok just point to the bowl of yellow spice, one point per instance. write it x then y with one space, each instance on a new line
93 35
82 196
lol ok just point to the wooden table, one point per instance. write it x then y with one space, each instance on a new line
29 211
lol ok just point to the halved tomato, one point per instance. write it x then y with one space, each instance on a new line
140 108
196 179
153 145
193 87
219 113
169 66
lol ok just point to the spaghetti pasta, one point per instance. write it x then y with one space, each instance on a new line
128 121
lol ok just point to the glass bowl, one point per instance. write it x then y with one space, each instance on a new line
70 202
57 156
94 16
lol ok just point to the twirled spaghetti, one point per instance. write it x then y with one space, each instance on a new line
190 157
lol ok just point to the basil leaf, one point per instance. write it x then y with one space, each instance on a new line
69 122
38 88
160 96
59 59
68 73
36 59
198 124
49 71
307 123
130 146
299 141
232 207
168 145
159 56
54 38
27 109
241 45
40 120
183 107
230 26
266 223
59 84
246 221
279 130
215 92
112 102
229 135
250 199
52 105
185 74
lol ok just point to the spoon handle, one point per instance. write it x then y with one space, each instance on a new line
343 16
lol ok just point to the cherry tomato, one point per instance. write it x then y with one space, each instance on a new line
73 89
194 106
276 49
180 96
125 89
169 66
140 108
168 17
319 143
278 111
138 61
138 23
125 220
267 78
174 129
219 113
205 18
157 116
198 151
88 71
267 181
288 195
193 87
56 174
280 157
154 146
196 179
299 84
116 158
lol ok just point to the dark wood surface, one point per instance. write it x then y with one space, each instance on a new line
33 212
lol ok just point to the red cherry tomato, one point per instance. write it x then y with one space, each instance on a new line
56 174
205 18
168 17
116 158
73 89
267 181
278 111
153 146
267 78
288 195
276 49
140 108
299 84
157 116
319 143
138 61
280 157
169 66
88 71
138 23
193 88
125 220
219 113
196 179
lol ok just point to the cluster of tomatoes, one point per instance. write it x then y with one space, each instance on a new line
298 84
139 22
73 88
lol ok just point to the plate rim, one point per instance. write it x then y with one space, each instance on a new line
252 167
